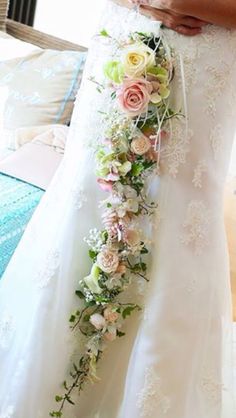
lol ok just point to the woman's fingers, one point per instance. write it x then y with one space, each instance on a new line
187 31
185 25
192 22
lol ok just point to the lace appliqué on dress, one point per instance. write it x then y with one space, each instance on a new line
79 198
198 173
7 328
174 153
196 226
216 141
217 80
211 387
50 266
151 399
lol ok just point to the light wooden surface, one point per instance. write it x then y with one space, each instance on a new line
230 222
3 12
28 34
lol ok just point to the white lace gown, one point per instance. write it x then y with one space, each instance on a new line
176 361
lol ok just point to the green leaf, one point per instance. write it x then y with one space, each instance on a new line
105 234
90 303
103 32
128 311
144 266
55 414
93 254
144 250
75 368
137 169
80 294
65 385
58 398
113 95
120 334
86 318
72 318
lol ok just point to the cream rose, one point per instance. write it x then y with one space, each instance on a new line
141 145
137 59
98 321
134 96
132 237
108 261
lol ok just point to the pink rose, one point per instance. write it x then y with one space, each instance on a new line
106 185
134 96
110 336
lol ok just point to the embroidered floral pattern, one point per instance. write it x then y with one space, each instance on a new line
198 173
211 386
49 269
196 226
174 153
191 285
6 329
152 400
216 84
79 198
216 141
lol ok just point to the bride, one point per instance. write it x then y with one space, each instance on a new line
176 360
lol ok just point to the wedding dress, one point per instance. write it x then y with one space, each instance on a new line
176 360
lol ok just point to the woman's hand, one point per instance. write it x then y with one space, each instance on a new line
185 25
179 22
218 12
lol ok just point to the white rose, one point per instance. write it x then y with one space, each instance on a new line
137 59
98 321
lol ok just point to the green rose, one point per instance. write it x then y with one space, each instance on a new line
114 71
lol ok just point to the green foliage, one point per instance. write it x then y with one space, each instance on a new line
103 32
120 334
93 255
137 169
129 310
72 318
79 294
56 414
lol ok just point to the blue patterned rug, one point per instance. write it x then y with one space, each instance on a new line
18 201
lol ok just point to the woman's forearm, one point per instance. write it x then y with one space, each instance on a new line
219 12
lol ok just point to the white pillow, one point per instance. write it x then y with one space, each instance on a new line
11 48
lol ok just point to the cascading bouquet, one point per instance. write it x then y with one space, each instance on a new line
128 154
